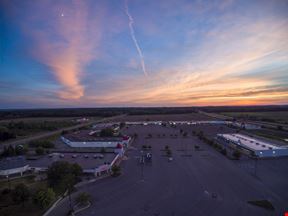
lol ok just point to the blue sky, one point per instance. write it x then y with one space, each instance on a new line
91 53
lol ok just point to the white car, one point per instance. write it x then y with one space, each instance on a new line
170 159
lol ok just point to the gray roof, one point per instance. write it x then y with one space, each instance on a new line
12 163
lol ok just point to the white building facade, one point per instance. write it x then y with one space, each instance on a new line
255 146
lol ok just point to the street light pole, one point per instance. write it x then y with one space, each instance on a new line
142 166
255 165
9 183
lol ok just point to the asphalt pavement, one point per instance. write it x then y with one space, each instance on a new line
195 183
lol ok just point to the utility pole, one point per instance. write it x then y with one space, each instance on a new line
69 194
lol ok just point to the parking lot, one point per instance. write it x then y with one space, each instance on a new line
196 182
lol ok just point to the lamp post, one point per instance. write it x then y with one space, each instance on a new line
255 165
9 183
142 160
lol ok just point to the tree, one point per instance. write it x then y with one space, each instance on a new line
20 149
83 198
224 151
280 127
21 193
8 151
237 154
44 197
5 134
122 125
39 150
102 150
63 175
107 132
169 153
116 170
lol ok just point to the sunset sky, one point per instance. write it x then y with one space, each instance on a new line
90 53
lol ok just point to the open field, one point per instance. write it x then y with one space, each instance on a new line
166 117
197 182
19 128
273 117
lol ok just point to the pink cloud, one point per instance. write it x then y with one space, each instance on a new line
66 39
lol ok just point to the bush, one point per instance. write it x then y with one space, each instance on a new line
262 203
44 197
5 191
39 151
169 153
116 170
224 151
20 194
103 150
237 154
20 150
83 198
107 132
41 143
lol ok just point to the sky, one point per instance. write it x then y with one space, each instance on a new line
114 53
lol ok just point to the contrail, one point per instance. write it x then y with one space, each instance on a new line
131 21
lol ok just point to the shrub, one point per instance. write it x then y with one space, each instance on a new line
103 150
6 191
83 198
262 203
237 154
169 152
224 151
44 197
21 194
116 170
39 150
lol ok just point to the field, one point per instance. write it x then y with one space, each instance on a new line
166 117
19 128
272 117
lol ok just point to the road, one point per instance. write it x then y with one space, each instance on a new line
47 134
183 187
